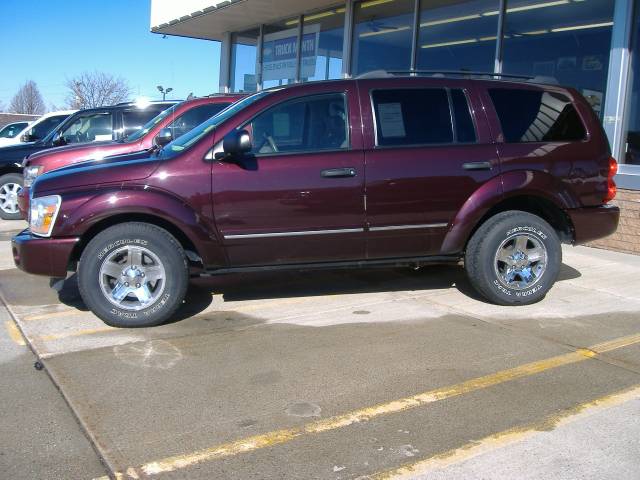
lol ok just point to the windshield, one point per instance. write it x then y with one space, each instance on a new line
138 134
192 137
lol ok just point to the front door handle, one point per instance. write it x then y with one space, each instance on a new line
338 172
477 166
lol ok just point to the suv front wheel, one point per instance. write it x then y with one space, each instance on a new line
513 258
133 275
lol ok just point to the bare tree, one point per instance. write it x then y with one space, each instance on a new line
28 100
96 89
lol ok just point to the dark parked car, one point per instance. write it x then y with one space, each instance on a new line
91 125
160 130
401 170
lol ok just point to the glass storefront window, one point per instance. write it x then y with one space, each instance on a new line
563 39
633 97
243 61
382 35
322 45
458 36
279 51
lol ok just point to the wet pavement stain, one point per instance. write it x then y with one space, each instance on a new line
303 409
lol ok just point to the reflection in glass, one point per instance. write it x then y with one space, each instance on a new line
279 51
382 35
322 45
243 61
458 36
633 98
563 39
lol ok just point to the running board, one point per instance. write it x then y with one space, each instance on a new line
386 262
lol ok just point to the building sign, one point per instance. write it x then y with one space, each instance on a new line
280 50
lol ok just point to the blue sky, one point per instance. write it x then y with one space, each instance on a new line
49 41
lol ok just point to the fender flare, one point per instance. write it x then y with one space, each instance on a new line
509 185
87 210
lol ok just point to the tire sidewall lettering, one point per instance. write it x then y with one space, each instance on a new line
527 229
121 243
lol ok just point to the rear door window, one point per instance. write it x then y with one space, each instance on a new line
306 124
536 116
422 116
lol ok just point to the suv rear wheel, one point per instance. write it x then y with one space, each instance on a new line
10 185
133 275
513 258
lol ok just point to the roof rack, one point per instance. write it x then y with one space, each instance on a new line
464 73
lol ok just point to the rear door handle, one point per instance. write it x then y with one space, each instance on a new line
338 172
477 166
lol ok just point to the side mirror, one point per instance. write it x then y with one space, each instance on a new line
27 137
236 143
163 137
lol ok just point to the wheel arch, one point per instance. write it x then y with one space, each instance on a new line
90 215
535 192
190 248
537 205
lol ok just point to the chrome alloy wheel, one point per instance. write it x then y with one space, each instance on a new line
520 261
9 197
132 278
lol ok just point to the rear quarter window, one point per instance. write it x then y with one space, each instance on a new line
536 116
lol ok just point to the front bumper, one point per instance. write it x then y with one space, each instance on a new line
42 256
592 223
23 202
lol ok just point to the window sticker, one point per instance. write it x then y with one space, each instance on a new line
281 126
391 120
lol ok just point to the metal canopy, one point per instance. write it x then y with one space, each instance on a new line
212 21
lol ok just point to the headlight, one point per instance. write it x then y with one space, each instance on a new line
43 212
30 174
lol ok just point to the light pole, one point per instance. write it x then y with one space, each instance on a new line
164 92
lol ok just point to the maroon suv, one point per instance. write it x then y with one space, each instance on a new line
171 123
401 170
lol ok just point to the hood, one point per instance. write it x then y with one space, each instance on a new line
13 153
78 148
115 169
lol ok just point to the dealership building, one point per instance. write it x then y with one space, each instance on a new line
592 45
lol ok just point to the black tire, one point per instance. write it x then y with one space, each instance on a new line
130 236
484 271
8 179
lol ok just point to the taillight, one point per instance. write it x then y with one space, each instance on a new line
611 185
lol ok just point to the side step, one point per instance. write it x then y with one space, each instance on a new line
385 262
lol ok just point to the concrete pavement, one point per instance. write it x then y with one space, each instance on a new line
353 374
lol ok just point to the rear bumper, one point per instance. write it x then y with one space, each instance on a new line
23 202
592 223
42 256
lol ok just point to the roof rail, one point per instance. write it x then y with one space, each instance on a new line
464 73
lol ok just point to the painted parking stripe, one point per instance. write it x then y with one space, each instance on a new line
58 313
75 333
507 437
366 414
14 333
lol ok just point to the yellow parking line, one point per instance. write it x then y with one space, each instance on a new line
276 437
506 437
45 316
14 333
76 333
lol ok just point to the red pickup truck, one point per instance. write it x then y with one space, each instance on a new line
171 123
